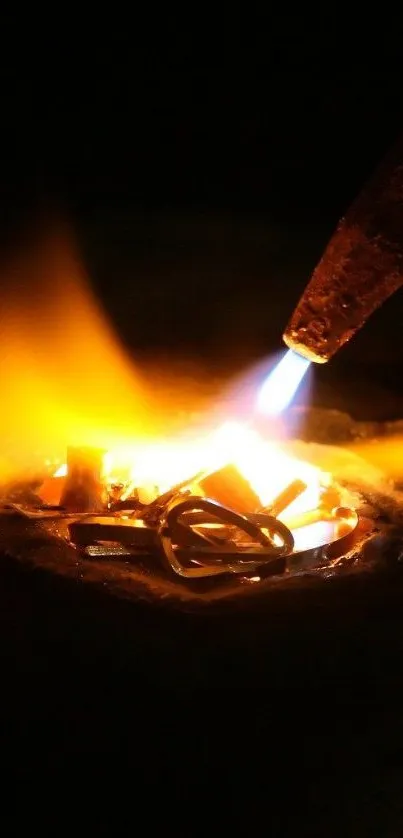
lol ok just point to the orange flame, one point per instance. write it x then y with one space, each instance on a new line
67 381
65 378
384 454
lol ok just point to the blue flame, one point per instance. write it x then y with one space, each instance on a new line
280 386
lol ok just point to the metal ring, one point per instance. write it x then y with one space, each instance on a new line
195 572
211 560
222 513
258 521
274 527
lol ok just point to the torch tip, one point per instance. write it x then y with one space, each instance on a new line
302 350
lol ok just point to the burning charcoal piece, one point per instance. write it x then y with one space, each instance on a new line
229 487
83 490
361 267
285 498
51 490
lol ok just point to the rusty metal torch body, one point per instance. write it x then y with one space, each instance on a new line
361 267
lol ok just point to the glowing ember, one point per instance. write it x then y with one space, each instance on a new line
267 467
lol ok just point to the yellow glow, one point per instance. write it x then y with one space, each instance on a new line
156 466
65 378
385 454
268 468
66 381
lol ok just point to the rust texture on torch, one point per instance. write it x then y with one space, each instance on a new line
361 267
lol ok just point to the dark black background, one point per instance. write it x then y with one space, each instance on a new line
204 163
282 114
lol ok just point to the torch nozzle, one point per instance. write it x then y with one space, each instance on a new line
361 267
301 350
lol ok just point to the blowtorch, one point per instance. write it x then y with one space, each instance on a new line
360 268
